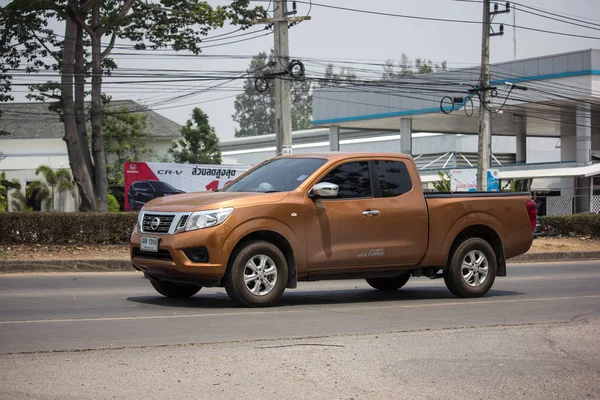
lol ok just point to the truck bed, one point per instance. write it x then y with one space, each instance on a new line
501 216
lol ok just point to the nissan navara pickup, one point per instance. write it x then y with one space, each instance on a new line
310 217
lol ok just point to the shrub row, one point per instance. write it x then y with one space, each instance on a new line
573 225
98 228
62 227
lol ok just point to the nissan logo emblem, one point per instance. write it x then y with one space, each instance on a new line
155 223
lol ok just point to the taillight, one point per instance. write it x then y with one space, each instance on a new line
532 212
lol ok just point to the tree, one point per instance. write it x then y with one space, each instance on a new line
126 139
54 182
200 143
443 185
19 202
333 79
301 98
409 68
519 185
26 39
3 198
5 190
255 111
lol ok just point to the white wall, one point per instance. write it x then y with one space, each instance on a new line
63 202
23 156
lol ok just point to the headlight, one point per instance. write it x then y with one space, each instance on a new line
206 219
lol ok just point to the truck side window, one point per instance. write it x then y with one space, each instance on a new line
394 179
352 179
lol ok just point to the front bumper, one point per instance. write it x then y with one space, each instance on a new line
171 262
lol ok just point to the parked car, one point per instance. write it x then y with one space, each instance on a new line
141 192
311 217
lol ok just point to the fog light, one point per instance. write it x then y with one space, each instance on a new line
198 254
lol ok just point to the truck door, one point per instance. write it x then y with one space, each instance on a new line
349 229
406 222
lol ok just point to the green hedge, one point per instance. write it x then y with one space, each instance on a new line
63 227
573 225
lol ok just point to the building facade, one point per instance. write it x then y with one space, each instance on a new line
35 138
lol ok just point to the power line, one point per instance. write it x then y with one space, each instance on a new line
562 15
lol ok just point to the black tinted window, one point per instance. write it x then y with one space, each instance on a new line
279 175
162 186
352 178
393 178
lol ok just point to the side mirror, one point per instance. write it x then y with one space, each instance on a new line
324 189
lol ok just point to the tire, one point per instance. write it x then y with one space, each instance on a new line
257 276
177 290
467 256
389 284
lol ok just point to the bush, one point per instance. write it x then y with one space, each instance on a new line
113 204
58 227
573 225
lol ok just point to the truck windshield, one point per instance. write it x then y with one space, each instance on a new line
279 175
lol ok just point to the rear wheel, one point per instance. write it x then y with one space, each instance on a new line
389 284
171 289
472 269
258 275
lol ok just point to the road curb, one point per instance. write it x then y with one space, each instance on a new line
25 266
557 256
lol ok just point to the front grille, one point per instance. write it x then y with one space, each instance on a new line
160 255
164 223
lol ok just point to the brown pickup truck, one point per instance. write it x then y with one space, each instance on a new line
311 217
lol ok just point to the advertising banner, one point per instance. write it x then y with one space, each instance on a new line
465 180
145 181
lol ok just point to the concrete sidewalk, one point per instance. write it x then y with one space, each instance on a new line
50 265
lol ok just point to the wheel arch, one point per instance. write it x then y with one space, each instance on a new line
276 239
489 235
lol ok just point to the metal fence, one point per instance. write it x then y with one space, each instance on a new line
559 205
595 205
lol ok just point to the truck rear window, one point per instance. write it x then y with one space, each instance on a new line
394 179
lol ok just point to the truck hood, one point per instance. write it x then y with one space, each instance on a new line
189 202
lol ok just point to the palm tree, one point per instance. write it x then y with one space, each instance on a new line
5 187
443 185
3 197
19 202
56 182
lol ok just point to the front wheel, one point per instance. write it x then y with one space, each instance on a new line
172 289
389 284
258 275
472 269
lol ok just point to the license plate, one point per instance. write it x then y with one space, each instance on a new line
149 244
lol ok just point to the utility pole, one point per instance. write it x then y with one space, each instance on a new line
283 106
485 131
484 113
514 32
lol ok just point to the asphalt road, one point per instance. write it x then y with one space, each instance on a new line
109 335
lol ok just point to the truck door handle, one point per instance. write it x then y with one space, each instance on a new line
370 213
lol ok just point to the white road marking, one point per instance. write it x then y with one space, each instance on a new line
311 309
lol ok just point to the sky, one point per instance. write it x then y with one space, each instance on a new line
332 35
